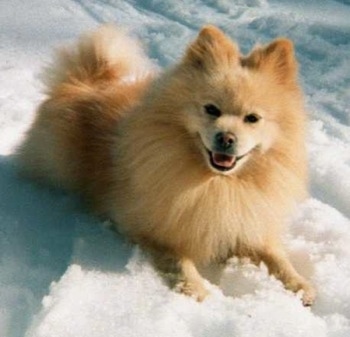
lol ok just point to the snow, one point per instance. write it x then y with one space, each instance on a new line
64 273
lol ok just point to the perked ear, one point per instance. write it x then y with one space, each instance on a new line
277 58
210 49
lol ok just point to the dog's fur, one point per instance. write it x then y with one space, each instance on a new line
135 145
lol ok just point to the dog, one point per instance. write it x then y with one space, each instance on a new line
196 164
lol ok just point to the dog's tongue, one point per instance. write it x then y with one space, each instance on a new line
223 160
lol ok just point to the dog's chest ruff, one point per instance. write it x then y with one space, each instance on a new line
204 222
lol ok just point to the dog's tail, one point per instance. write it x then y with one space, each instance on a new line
108 54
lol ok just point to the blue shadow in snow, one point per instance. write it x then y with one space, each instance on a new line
43 231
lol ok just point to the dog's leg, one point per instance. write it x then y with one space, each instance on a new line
279 266
191 282
181 274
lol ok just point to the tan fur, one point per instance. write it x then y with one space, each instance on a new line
135 149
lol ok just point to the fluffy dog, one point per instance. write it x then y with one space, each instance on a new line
197 164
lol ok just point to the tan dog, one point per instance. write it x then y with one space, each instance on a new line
197 164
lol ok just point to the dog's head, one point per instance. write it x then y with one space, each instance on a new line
235 107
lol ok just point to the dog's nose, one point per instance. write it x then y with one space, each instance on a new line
224 141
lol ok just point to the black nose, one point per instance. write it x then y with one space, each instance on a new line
224 141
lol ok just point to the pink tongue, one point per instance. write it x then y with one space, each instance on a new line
223 159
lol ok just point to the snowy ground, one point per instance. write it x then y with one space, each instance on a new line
62 273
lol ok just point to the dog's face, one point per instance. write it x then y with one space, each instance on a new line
227 139
234 106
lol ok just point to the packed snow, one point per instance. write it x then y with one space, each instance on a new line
64 273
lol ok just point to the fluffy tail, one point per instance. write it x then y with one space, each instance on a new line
107 54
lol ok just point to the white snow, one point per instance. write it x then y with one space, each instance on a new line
63 273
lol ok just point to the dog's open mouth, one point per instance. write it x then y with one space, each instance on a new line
223 162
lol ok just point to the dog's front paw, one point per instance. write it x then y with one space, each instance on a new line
308 291
193 289
309 295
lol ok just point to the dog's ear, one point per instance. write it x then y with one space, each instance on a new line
277 58
211 48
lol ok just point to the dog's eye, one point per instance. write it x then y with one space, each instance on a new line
212 110
252 118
